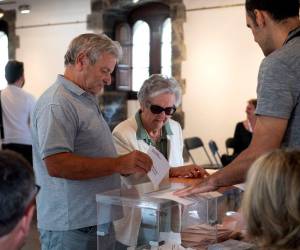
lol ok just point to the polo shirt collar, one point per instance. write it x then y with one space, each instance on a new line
292 34
72 87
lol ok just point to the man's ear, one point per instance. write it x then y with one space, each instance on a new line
260 17
22 229
26 220
142 107
81 61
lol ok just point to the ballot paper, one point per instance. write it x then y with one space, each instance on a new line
160 166
168 194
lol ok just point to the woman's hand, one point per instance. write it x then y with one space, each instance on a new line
189 171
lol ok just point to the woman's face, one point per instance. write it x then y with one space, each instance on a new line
152 121
250 110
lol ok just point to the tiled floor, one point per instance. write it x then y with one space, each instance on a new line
32 242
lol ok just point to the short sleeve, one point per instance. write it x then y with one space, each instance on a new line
56 128
276 90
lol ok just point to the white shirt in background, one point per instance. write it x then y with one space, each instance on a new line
17 106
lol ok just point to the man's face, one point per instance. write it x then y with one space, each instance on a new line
96 76
260 34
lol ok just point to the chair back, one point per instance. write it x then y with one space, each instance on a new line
193 143
229 143
215 152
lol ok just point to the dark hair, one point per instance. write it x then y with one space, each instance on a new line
16 186
279 9
13 71
253 102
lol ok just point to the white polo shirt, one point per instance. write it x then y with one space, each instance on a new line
17 106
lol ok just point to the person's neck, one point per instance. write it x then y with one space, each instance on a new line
282 30
252 121
69 74
18 84
7 242
154 134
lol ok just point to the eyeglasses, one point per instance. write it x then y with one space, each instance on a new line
155 109
37 189
32 198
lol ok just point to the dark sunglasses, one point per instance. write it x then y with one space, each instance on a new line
155 109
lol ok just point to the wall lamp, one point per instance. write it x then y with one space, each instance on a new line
24 9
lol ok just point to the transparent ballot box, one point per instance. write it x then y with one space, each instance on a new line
137 219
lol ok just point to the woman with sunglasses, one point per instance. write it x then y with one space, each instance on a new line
152 125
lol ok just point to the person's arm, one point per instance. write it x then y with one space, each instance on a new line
268 134
188 171
71 166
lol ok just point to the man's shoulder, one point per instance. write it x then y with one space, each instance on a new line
51 96
287 54
28 95
55 94
19 93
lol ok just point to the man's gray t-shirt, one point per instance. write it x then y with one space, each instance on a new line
278 88
68 119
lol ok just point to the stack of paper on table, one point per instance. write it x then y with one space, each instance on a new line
203 235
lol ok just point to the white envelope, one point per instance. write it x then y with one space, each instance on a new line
160 166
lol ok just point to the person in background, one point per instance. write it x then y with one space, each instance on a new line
17 200
17 106
276 28
152 125
242 133
74 157
271 201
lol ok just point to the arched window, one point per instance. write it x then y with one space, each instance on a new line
140 53
166 48
151 39
3 58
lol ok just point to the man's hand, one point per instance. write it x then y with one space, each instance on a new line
134 162
189 171
205 185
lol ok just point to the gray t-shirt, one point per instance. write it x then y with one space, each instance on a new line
68 119
278 88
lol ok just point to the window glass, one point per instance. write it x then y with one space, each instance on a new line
140 54
3 58
166 48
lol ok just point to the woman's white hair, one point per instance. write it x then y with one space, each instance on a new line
158 84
